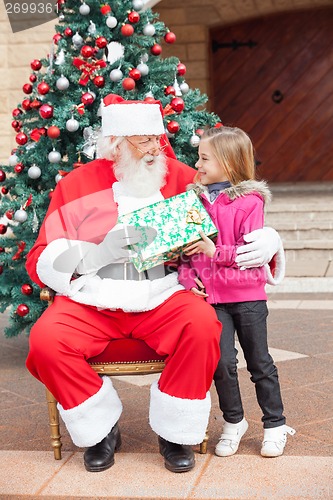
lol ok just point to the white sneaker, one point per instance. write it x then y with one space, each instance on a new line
230 438
275 440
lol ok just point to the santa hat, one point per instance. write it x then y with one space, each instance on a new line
122 118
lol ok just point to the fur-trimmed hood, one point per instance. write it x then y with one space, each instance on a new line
242 189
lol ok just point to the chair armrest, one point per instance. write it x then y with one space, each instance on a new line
47 294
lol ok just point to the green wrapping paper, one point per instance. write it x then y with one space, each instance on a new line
177 221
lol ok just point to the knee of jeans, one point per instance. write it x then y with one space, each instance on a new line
226 368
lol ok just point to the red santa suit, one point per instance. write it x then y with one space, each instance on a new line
92 309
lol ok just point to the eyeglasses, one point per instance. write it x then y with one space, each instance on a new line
147 147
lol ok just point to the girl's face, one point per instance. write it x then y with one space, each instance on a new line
209 169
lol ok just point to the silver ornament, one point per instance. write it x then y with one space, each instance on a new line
137 4
54 156
84 9
34 172
72 125
111 22
62 83
58 178
184 88
77 40
149 30
12 160
144 57
61 18
195 141
20 215
169 134
92 28
116 75
143 68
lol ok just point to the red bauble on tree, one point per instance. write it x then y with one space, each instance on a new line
105 9
19 167
156 49
128 83
173 127
16 112
101 42
27 88
2 176
4 190
133 17
26 104
170 37
35 65
26 289
21 138
53 132
135 74
127 30
33 78
99 81
56 38
22 310
9 214
177 104
43 88
68 31
87 99
3 228
181 69
35 104
87 51
149 99
170 90
46 111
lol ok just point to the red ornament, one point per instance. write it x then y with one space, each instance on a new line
33 78
21 138
43 88
150 99
3 228
2 176
26 289
4 190
87 98
135 74
46 111
177 104
170 37
105 9
156 49
16 112
19 167
199 132
218 125
26 104
56 38
127 30
35 65
27 88
170 90
101 42
99 81
35 104
87 51
53 132
1 269
173 127
2 249
133 17
9 214
22 310
128 83
181 69
68 31
15 124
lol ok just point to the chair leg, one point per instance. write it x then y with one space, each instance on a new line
54 424
203 445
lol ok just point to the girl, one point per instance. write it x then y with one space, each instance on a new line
235 201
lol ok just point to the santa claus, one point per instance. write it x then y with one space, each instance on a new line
82 254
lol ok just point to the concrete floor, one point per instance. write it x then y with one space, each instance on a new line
301 342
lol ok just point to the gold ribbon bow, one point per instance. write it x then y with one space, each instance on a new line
193 215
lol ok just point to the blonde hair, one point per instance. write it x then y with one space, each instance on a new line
234 151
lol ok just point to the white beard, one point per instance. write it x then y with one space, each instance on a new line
139 178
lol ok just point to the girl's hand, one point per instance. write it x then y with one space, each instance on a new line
199 293
205 245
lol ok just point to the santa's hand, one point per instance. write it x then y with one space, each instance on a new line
261 245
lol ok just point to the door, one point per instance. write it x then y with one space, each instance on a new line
273 77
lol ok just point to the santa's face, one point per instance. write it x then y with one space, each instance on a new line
145 146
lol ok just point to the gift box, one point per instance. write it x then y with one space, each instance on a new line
177 221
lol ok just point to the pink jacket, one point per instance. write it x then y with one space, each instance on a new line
236 211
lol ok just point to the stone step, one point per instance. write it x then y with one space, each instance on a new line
295 216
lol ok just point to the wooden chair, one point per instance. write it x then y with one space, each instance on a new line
121 357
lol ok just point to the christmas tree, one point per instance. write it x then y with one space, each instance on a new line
97 50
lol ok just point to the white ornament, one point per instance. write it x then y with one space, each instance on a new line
111 22
116 75
184 88
115 52
34 172
61 18
58 178
77 40
12 160
20 215
144 57
92 28
177 88
143 68
72 125
137 4
169 134
62 83
84 9
149 30
195 141
54 156
60 58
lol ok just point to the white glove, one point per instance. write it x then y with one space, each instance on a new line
262 245
114 247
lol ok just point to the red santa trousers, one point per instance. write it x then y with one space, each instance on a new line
184 327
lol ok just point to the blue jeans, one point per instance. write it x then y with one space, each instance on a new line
248 319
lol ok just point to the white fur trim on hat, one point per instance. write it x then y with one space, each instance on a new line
181 421
126 119
89 422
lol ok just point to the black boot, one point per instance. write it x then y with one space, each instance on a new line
177 457
101 456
